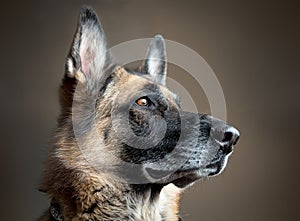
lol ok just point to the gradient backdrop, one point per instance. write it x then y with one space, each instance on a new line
253 47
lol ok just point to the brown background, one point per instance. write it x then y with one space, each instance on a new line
253 47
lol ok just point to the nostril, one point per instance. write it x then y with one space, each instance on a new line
223 134
231 136
227 137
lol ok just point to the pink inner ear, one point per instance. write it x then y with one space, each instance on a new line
86 58
85 65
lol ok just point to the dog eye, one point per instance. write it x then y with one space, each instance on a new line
143 101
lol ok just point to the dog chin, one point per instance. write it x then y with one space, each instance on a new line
217 167
185 178
213 169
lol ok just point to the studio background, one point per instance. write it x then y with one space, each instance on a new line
253 48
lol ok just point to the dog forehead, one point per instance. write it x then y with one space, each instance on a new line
128 80
140 83
134 83
145 83
170 96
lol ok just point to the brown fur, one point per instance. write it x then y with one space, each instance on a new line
93 150
75 185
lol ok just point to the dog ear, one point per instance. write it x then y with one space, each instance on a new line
89 54
155 63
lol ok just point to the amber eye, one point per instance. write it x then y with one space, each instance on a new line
142 102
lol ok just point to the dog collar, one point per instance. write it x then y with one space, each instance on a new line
55 213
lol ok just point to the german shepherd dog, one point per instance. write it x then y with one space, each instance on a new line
124 149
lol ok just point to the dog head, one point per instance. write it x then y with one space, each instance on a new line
128 123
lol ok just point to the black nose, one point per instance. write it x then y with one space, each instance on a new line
226 136
231 136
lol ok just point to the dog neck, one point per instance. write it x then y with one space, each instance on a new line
157 202
98 200
81 193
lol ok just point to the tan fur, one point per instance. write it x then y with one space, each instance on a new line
76 186
169 202
107 155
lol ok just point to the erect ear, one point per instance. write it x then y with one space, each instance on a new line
89 55
155 63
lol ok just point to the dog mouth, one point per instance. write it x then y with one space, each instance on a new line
184 177
217 165
187 177
180 178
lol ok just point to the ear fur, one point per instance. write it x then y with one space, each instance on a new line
155 63
89 54
88 63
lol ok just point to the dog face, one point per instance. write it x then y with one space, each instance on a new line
129 124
